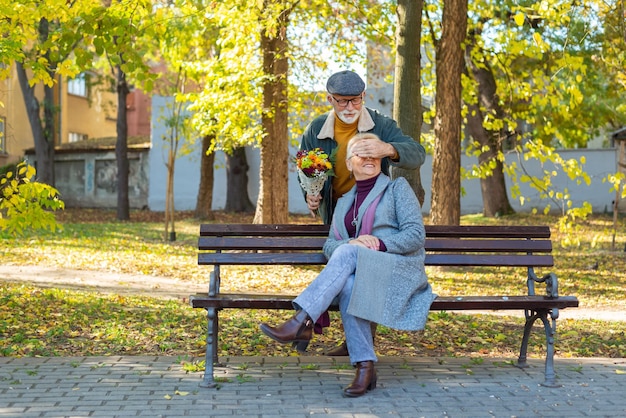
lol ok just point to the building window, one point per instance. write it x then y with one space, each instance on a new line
78 86
75 137
3 136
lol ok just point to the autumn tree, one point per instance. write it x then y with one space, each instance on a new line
62 40
532 83
119 34
43 43
485 103
446 186
407 105
536 91
247 98
272 205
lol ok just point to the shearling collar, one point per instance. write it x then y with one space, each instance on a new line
365 123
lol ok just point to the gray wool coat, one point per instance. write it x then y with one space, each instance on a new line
390 288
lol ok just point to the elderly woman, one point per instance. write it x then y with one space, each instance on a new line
375 267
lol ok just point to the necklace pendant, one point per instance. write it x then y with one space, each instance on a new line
354 222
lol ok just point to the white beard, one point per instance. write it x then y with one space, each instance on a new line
349 119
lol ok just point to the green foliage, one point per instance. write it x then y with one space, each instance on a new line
48 55
229 67
559 72
26 204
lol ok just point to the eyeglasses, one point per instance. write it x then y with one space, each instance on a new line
343 102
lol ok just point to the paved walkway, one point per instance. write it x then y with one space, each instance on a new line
291 386
305 386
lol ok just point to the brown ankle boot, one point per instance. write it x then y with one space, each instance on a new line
342 349
364 380
299 328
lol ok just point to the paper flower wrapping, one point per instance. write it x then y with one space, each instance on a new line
314 168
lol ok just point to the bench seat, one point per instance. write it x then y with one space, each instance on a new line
442 303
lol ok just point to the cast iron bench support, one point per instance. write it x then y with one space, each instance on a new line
452 246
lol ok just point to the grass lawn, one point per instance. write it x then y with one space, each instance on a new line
590 264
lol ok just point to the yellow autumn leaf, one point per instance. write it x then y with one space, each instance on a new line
537 38
519 19
619 371
168 397
179 393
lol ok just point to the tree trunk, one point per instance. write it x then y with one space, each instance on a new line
43 130
446 187
205 189
407 105
237 199
170 209
273 202
493 187
121 147
44 146
49 113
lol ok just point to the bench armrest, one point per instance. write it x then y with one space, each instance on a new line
550 279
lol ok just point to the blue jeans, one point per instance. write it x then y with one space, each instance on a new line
335 281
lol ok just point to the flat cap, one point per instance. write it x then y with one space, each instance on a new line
345 83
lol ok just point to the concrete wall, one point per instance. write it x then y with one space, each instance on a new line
88 178
600 162
187 172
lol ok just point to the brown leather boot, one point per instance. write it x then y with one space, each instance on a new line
364 380
342 349
298 329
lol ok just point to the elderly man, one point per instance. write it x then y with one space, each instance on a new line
332 131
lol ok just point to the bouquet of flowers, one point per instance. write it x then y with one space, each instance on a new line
314 167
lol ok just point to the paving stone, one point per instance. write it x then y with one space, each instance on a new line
276 386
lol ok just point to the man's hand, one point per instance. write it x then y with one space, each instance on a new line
374 148
313 202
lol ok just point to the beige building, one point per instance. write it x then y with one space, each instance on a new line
85 110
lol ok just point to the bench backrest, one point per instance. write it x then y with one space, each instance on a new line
282 244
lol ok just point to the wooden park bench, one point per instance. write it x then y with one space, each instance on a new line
526 247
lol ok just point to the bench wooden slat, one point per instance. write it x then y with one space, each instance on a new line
265 301
316 243
318 258
487 231
435 231
488 245
469 260
249 259
261 243
264 229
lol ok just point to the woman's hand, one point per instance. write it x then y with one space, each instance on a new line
368 241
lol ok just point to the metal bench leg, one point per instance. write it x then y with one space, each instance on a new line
550 326
210 357
550 329
530 320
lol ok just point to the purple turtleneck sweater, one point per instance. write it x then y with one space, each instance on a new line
363 187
